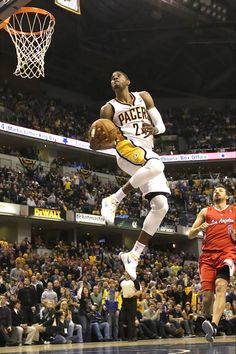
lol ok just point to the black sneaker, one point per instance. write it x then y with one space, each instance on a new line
210 331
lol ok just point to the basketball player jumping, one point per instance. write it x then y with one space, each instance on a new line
217 262
138 120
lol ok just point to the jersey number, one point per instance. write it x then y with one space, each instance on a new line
138 129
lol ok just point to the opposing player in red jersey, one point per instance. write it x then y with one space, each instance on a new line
217 261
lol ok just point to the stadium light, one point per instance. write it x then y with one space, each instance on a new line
210 8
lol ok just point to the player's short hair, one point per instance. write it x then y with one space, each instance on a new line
122 72
220 185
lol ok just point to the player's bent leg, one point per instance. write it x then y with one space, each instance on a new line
220 300
159 208
151 169
208 275
208 329
207 302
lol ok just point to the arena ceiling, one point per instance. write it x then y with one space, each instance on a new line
166 47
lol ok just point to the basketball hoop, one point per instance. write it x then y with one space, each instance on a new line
31 31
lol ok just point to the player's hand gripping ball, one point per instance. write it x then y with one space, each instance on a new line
102 134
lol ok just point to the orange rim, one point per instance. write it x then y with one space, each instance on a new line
4 23
25 10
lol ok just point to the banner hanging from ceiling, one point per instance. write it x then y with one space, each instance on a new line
69 5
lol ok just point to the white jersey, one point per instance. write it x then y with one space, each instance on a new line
129 118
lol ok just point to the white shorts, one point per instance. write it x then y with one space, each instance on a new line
131 158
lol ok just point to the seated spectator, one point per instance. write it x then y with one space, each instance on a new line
231 295
99 327
152 315
227 323
228 311
18 322
176 317
189 316
58 330
146 327
8 334
170 328
44 319
71 326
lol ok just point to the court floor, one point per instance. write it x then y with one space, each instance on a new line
222 345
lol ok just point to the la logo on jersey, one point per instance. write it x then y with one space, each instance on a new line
222 221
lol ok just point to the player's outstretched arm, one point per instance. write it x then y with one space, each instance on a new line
199 224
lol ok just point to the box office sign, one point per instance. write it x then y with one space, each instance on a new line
50 214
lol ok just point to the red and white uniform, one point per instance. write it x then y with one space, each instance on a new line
218 247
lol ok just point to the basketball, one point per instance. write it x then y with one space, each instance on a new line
103 130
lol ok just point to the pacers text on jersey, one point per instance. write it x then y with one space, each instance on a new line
132 114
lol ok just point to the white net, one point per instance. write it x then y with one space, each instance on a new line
31 32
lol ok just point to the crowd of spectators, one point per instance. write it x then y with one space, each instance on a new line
195 129
73 294
83 190
202 129
42 113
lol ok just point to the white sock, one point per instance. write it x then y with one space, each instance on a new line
137 249
119 195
